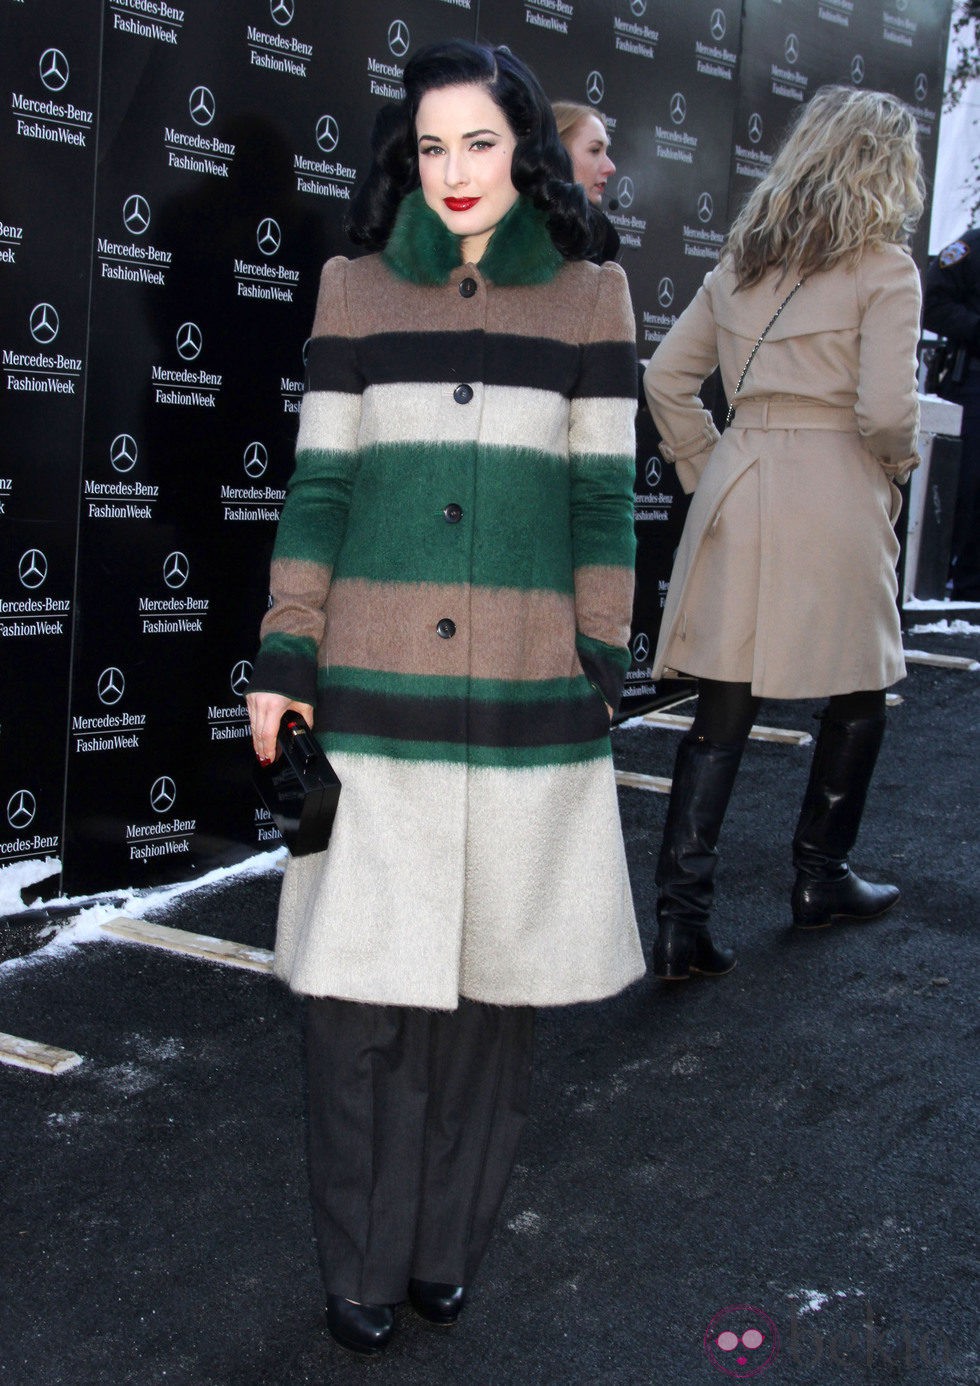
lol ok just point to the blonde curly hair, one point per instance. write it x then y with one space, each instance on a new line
847 177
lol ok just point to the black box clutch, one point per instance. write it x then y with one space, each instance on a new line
299 788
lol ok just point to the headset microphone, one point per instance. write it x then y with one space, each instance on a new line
613 205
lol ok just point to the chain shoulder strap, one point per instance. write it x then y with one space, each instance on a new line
762 337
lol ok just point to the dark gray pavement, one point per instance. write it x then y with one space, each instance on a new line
798 1138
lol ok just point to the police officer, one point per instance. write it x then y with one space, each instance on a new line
951 308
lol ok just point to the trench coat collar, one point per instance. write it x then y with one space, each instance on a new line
423 250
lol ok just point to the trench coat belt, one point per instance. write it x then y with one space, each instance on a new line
793 413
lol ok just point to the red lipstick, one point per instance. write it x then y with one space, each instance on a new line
460 204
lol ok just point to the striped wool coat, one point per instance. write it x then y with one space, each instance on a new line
451 586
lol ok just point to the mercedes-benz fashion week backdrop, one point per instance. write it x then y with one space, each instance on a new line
174 175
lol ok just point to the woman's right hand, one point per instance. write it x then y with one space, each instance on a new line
265 713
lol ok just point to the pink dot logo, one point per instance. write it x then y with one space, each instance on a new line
742 1341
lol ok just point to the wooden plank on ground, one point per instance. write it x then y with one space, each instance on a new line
42 1058
631 779
941 661
219 950
783 736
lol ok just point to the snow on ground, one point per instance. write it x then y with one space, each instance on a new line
85 925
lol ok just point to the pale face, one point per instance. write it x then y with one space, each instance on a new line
588 145
465 148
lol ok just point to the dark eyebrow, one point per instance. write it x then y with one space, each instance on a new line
470 134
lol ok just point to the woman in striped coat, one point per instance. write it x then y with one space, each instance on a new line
452 587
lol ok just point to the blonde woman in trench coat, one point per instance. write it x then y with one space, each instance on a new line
784 584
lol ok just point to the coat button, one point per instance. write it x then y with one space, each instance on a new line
445 628
453 513
467 287
463 394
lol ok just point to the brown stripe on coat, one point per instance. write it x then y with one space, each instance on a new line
501 633
600 590
384 303
300 588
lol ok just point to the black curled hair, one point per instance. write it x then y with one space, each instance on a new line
541 168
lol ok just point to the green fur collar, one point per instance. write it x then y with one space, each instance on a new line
424 251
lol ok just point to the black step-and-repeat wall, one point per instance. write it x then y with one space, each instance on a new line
174 176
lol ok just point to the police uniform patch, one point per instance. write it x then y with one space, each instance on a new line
953 254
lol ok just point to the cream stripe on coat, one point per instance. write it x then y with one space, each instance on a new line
507 929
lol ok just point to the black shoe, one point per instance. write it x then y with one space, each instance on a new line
704 775
826 888
436 1303
362 1328
679 952
819 903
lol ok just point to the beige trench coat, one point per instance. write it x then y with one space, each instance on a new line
785 574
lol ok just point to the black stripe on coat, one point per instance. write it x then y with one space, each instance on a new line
499 723
603 369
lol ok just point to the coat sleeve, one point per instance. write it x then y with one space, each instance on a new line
951 305
887 406
680 365
314 517
602 467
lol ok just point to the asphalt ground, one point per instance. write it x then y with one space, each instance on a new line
790 1149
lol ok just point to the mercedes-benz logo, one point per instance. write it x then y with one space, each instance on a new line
240 676
201 105
625 192
256 459
654 470
163 794
638 8
641 648
595 87
44 323
678 108
921 87
398 37
901 5
327 133
791 48
719 25
282 11
53 68
755 127
21 808
32 568
123 452
176 569
706 208
189 341
136 214
305 353
857 69
665 291
111 686
268 237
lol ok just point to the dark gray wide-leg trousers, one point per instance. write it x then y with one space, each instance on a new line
414 1122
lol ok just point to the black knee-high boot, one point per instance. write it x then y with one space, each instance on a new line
826 888
704 774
